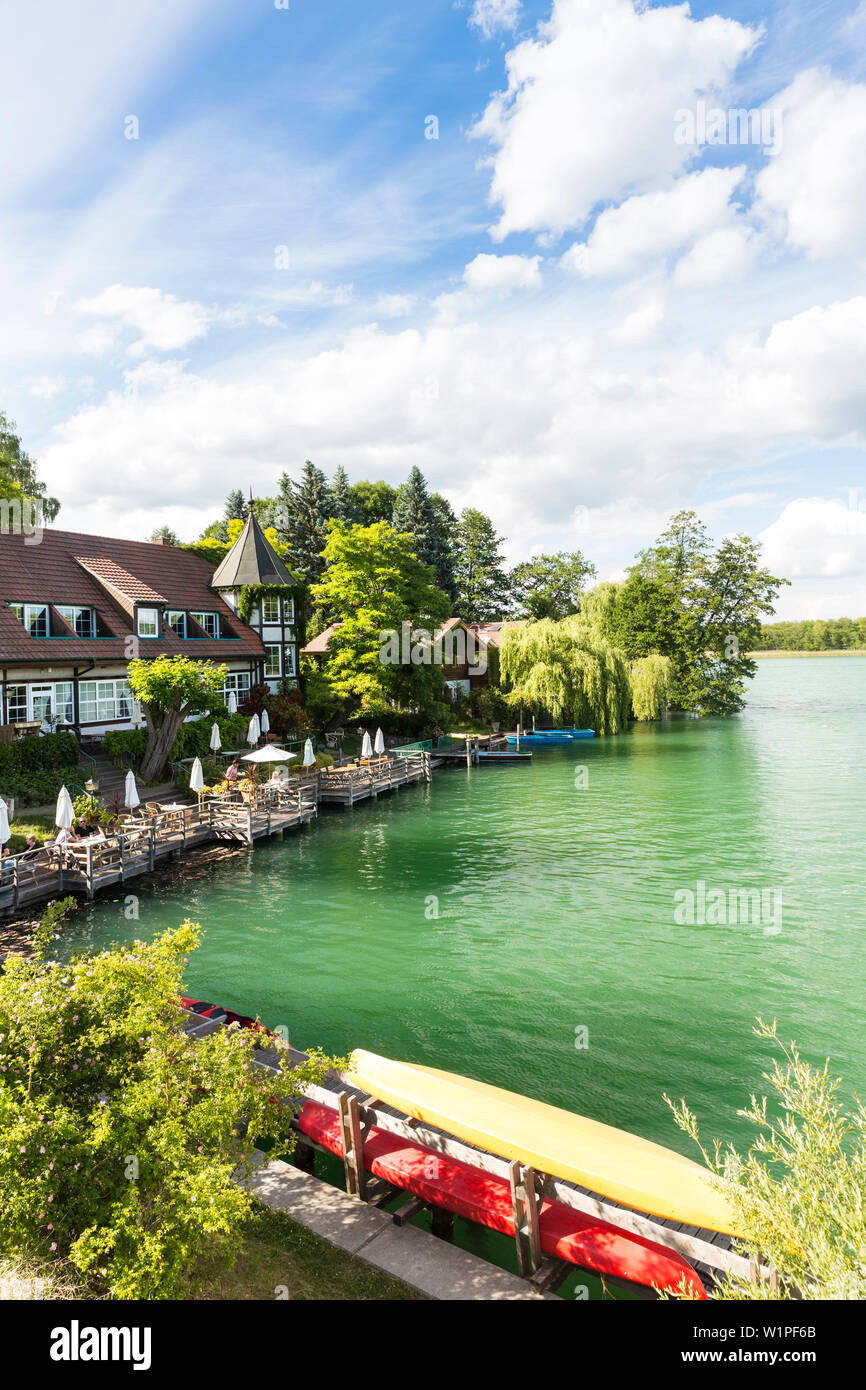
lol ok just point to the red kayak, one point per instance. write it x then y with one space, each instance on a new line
466 1191
216 1011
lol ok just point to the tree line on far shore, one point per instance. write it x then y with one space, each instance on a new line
814 635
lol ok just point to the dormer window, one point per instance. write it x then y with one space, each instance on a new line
209 622
177 620
34 617
81 620
148 622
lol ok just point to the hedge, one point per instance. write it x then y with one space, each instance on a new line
33 769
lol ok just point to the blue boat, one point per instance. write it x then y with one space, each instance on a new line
545 736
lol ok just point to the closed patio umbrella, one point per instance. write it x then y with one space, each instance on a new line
5 832
196 777
309 754
215 740
254 731
379 745
265 722
366 746
64 815
232 703
130 792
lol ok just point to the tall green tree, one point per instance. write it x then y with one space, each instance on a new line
373 585
343 505
18 479
550 586
170 689
415 515
236 507
700 605
165 534
482 586
373 501
303 522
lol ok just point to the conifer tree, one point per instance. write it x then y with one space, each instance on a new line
416 515
303 522
482 586
342 501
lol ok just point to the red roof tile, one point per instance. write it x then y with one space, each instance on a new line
53 572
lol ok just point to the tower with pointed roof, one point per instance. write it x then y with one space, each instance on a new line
270 604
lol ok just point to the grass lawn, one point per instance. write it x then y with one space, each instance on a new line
278 1253
42 827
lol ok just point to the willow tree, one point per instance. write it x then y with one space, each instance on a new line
651 680
568 670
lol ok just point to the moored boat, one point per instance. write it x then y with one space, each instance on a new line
545 736
466 1191
623 1167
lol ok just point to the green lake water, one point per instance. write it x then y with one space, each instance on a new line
556 912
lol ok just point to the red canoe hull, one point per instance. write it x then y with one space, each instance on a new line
469 1192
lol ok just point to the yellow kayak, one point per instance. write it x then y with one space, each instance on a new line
610 1161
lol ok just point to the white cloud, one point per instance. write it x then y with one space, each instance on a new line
813 188
394 306
588 114
527 420
820 544
638 326
491 15
654 223
164 322
724 254
502 272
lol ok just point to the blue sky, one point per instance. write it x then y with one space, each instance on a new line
556 309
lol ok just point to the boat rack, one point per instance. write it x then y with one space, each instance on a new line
709 1252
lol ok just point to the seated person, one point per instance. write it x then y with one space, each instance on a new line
5 856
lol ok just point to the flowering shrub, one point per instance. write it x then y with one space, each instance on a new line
120 1138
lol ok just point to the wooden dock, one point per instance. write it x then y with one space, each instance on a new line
709 1252
348 783
84 867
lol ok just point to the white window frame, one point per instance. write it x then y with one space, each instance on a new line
141 617
201 618
24 612
90 709
269 648
70 613
290 665
271 598
239 682
177 613
21 714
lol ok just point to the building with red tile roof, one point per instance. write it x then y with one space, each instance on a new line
75 609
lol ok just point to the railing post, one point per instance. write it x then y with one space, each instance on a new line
353 1145
90 871
524 1206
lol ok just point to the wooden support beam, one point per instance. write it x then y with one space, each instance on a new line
524 1206
353 1145
405 1213
550 1274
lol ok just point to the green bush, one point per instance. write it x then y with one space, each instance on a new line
120 1138
34 769
193 740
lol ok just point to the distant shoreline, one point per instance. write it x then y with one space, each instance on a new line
830 651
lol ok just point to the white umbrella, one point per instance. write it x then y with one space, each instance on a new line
130 795
379 745
254 731
366 746
265 722
269 753
5 832
215 740
309 755
64 815
232 703
196 777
